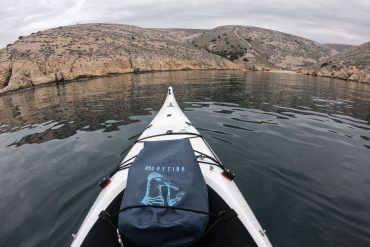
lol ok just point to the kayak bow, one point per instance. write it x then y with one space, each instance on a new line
170 124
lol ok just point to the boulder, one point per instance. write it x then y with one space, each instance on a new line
5 74
17 81
354 77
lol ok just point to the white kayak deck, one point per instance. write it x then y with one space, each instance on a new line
170 118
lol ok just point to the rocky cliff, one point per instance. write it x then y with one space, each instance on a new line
264 48
82 51
351 64
91 50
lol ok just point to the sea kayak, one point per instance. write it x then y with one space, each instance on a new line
195 194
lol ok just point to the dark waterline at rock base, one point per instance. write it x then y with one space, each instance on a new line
299 147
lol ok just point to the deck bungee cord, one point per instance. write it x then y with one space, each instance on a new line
219 217
215 162
170 190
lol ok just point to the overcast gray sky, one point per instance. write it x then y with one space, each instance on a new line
325 21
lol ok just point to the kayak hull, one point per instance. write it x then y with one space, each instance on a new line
171 123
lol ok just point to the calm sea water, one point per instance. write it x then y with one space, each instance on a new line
300 147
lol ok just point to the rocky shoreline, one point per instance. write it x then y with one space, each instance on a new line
29 75
350 73
93 50
352 64
32 85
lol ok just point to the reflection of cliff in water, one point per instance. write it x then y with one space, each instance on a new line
107 103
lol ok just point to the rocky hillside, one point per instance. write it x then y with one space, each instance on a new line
339 47
351 64
90 50
263 48
185 35
80 51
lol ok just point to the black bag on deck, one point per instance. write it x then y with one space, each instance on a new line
165 174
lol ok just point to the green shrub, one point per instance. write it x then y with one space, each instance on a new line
230 55
325 64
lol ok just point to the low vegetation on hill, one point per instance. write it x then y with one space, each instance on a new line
90 50
264 48
82 51
351 64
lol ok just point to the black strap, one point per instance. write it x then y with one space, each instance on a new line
194 135
106 217
167 207
207 156
123 165
215 162
220 217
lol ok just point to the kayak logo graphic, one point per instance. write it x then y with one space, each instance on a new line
155 187
178 168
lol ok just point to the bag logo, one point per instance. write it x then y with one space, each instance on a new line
155 187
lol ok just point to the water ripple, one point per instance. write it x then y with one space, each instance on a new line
300 148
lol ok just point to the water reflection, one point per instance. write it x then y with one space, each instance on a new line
299 145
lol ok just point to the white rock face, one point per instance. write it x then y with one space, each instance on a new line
83 51
352 64
92 50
